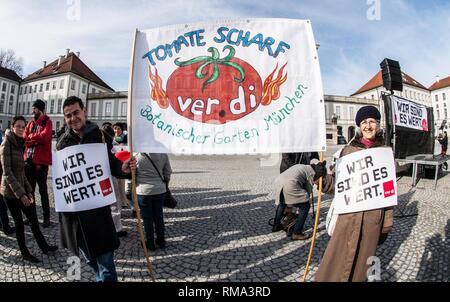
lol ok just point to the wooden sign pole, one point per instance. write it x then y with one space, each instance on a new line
133 173
319 198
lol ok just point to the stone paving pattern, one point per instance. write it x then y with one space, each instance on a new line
220 232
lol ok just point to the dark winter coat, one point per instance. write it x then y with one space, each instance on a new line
444 142
93 230
14 183
290 159
356 235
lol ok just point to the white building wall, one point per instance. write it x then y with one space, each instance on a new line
441 107
9 90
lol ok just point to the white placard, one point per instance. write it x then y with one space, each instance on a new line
365 180
228 87
409 114
82 178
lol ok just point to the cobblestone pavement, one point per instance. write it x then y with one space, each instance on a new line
220 232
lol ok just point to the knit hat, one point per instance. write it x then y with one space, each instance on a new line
39 104
367 112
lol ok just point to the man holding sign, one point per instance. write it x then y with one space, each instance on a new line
365 192
89 232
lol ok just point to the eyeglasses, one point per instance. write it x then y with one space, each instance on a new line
366 123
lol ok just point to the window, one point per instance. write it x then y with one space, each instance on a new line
436 98
35 88
41 87
445 113
93 90
53 85
61 84
73 85
2 97
52 104
2 105
4 87
93 109
25 90
58 124
108 109
47 86
338 111
372 96
20 91
123 109
10 105
437 106
13 89
28 107
445 104
59 109
351 112
437 114
443 96
83 89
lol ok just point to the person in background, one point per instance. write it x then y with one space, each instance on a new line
17 191
356 235
151 190
120 138
120 199
38 154
290 159
443 140
4 219
294 189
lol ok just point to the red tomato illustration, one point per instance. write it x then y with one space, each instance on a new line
213 90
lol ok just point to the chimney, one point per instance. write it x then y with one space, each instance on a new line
438 78
78 54
67 52
45 64
60 60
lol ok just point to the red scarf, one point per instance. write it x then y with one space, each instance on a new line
367 142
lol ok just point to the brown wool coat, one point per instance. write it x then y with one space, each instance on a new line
14 183
355 237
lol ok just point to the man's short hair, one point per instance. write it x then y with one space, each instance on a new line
118 124
72 100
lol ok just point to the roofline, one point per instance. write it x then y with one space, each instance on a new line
65 73
382 86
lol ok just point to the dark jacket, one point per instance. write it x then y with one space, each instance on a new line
355 236
444 142
38 135
14 183
290 159
93 230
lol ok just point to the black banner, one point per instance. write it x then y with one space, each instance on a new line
407 141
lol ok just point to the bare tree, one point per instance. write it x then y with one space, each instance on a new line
9 60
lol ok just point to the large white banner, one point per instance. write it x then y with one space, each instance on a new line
228 87
81 178
409 114
365 180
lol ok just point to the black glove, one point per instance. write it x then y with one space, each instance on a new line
320 169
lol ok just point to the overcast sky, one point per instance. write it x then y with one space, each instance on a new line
353 35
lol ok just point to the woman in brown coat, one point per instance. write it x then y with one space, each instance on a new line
356 235
17 191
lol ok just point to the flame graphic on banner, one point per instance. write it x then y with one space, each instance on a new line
271 89
158 94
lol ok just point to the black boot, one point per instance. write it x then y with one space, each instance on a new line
31 258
